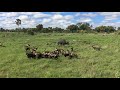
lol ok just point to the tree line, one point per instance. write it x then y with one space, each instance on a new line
74 28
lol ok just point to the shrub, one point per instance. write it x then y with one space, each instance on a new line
31 33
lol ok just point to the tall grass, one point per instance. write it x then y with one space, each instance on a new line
91 63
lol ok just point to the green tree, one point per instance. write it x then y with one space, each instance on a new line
84 26
39 27
72 28
45 30
2 30
111 29
57 29
107 29
118 28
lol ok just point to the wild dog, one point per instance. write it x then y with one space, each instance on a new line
96 47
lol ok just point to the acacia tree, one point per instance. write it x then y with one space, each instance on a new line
18 22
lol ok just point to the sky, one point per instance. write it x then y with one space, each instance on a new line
58 19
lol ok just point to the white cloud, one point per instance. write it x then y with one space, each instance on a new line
68 17
8 23
85 19
28 13
46 20
77 14
59 23
86 14
107 23
113 17
31 19
89 14
9 14
110 15
62 21
41 15
23 17
2 18
108 19
61 17
57 12
57 17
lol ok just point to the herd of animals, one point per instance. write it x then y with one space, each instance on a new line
55 54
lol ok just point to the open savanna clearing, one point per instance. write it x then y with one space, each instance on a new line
92 63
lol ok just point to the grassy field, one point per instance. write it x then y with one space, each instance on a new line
91 63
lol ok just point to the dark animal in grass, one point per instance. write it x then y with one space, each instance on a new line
53 55
36 54
71 49
70 54
66 53
56 51
27 47
30 54
59 50
63 42
39 54
73 55
45 54
96 47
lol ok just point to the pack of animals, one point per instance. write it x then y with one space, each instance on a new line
55 54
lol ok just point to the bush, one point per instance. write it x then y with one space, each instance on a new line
31 33
117 33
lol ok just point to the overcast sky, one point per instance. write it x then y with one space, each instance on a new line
58 19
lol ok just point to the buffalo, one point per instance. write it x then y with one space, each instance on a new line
63 42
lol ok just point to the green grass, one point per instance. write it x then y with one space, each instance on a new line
91 63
